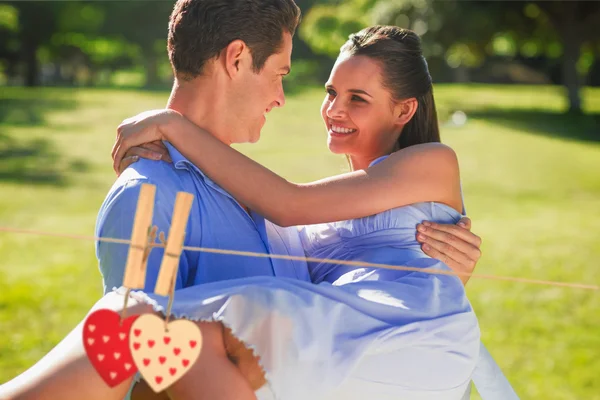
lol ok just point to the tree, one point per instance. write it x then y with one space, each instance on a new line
464 33
9 44
144 24
37 22
576 22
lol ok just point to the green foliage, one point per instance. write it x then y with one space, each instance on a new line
86 17
9 17
327 26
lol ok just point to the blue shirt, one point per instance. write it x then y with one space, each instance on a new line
216 221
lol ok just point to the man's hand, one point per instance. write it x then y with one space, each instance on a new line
454 245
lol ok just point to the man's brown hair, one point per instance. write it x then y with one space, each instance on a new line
200 29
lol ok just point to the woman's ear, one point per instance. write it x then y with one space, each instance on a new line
233 55
405 110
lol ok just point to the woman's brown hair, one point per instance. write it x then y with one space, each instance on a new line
405 75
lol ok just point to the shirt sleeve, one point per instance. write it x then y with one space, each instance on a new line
115 220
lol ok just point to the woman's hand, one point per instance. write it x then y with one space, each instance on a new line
152 151
454 245
138 132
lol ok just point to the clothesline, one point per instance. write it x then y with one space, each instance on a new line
574 285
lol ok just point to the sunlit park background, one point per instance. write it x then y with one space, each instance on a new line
518 99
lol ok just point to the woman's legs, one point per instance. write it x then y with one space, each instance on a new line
221 379
214 340
245 360
66 373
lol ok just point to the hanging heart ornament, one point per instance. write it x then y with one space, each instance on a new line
106 343
162 355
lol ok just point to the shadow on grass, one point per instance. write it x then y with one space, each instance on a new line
30 110
585 128
33 161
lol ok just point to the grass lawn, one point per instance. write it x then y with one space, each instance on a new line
531 179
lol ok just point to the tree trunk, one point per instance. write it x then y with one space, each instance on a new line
571 78
461 74
31 63
593 78
564 17
572 40
151 64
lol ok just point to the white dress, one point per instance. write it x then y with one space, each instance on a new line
355 333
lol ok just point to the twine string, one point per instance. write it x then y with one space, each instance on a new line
574 285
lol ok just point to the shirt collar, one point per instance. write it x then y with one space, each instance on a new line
180 162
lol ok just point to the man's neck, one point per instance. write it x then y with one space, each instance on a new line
203 104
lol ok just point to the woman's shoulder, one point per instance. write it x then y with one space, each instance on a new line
426 152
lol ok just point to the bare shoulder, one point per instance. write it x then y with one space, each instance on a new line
431 155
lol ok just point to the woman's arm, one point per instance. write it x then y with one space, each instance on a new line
426 172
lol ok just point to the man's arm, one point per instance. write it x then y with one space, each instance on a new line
115 220
455 245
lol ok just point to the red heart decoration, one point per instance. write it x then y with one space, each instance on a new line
193 343
172 371
176 350
106 343
167 340
158 379
186 363
162 359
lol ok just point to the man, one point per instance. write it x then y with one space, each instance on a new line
229 58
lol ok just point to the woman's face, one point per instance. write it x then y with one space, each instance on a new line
358 111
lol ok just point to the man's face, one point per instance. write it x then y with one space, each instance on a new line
258 93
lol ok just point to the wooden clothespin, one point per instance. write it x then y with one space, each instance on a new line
142 237
177 336
106 326
174 245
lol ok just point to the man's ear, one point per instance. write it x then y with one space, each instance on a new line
235 54
405 110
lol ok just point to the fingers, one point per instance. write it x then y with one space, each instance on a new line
144 152
457 261
447 252
126 162
133 134
146 127
120 149
448 230
159 148
452 243
456 246
154 152
465 222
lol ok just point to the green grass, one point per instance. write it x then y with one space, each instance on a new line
530 176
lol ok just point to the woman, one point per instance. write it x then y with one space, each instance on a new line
362 332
